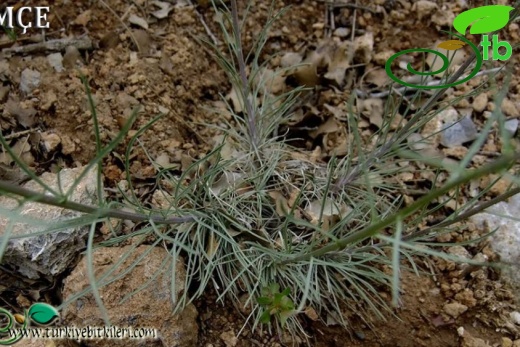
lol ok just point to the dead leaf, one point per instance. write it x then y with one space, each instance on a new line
336 143
83 18
235 99
339 62
212 247
378 77
336 111
364 48
373 109
270 81
136 20
228 179
163 161
229 150
331 210
166 65
330 126
281 203
143 40
307 73
311 313
164 10
26 117
290 59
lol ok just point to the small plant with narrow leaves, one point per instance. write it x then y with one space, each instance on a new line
276 304
10 33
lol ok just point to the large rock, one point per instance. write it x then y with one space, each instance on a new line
52 253
506 240
148 307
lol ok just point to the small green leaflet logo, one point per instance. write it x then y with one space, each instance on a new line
39 313
483 20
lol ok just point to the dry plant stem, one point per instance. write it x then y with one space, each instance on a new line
251 115
93 210
376 227
82 43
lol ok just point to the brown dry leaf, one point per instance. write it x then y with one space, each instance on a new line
228 150
330 126
83 18
282 205
336 143
336 111
212 246
233 96
270 81
364 47
136 20
373 109
22 149
295 117
311 313
424 8
162 199
330 210
143 40
293 196
341 57
307 73
186 162
290 59
163 160
24 116
378 77
164 9
232 180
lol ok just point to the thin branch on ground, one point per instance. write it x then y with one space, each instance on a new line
82 43
34 196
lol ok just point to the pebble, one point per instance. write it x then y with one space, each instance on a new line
509 108
455 134
507 342
480 102
515 317
50 141
342 32
30 80
424 8
455 309
511 126
56 61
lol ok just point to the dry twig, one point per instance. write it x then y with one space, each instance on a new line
81 43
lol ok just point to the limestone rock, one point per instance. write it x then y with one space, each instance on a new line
49 254
148 307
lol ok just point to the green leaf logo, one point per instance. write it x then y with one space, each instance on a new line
483 20
43 313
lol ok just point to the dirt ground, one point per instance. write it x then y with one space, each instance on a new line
157 64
